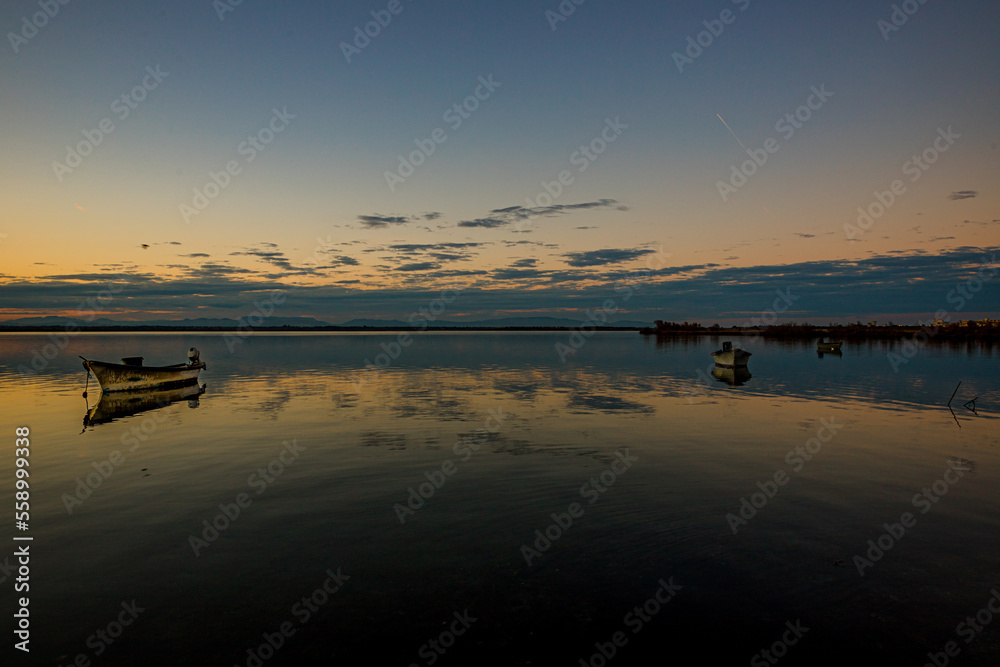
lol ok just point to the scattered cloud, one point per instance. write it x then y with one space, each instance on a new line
962 194
909 280
518 274
378 221
419 266
605 256
500 217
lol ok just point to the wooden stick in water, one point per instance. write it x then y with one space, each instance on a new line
954 392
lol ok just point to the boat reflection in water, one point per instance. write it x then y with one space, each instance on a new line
116 405
735 376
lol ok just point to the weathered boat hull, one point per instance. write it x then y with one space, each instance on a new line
735 358
126 377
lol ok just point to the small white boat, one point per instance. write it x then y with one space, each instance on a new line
131 374
730 357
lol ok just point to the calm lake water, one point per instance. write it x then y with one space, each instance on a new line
643 457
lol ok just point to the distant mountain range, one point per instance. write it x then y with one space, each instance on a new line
555 322
308 323
187 323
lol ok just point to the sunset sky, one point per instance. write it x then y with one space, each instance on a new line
642 124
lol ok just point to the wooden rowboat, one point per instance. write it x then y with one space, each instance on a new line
131 375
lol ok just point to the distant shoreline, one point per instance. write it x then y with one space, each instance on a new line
283 329
853 332
947 331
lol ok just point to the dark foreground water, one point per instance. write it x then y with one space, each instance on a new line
479 501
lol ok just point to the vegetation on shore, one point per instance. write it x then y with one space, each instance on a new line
964 330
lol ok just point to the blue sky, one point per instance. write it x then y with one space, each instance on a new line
313 213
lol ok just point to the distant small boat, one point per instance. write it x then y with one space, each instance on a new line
131 374
829 346
730 357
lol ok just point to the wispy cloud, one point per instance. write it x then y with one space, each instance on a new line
501 217
962 194
378 221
